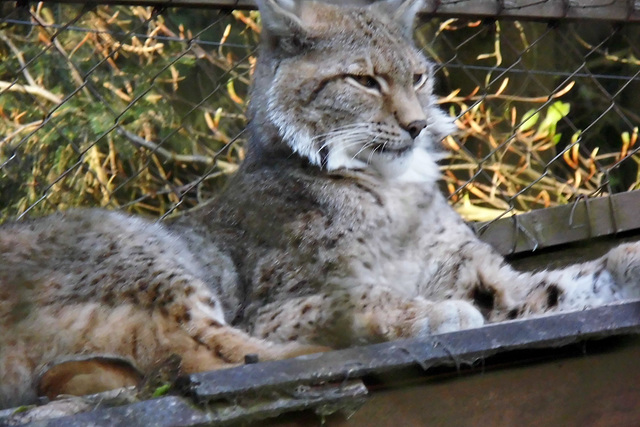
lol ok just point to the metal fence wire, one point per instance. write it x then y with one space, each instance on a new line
140 108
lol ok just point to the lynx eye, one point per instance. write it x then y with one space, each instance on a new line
368 82
419 80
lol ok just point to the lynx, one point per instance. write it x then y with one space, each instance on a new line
333 232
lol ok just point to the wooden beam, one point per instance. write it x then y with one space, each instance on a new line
544 228
561 10
604 10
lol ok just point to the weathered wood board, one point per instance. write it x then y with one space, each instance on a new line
599 388
610 10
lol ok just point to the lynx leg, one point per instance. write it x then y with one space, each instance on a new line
201 317
503 293
230 345
624 264
180 325
86 376
368 315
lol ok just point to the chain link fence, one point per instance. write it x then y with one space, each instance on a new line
140 108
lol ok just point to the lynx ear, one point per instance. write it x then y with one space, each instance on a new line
404 13
287 24
279 17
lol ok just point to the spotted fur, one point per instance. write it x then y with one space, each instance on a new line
332 233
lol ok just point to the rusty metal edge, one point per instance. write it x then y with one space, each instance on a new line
545 228
556 10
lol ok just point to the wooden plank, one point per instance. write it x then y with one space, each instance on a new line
602 10
544 228
205 4
601 389
445 349
328 381
172 411
609 10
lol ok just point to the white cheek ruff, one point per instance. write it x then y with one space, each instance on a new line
294 134
439 123
338 158
421 168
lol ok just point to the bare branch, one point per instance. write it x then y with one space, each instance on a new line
30 89
19 57
169 155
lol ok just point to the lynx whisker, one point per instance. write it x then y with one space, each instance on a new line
365 146
351 141
342 129
362 140
374 150
334 139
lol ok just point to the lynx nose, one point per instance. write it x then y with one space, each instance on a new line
415 127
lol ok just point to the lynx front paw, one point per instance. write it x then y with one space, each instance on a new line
623 263
448 316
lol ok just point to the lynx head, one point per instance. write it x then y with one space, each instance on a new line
345 87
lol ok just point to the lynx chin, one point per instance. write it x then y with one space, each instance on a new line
332 233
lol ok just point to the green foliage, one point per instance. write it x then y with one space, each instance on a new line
556 112
529 119
23 408
161 391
